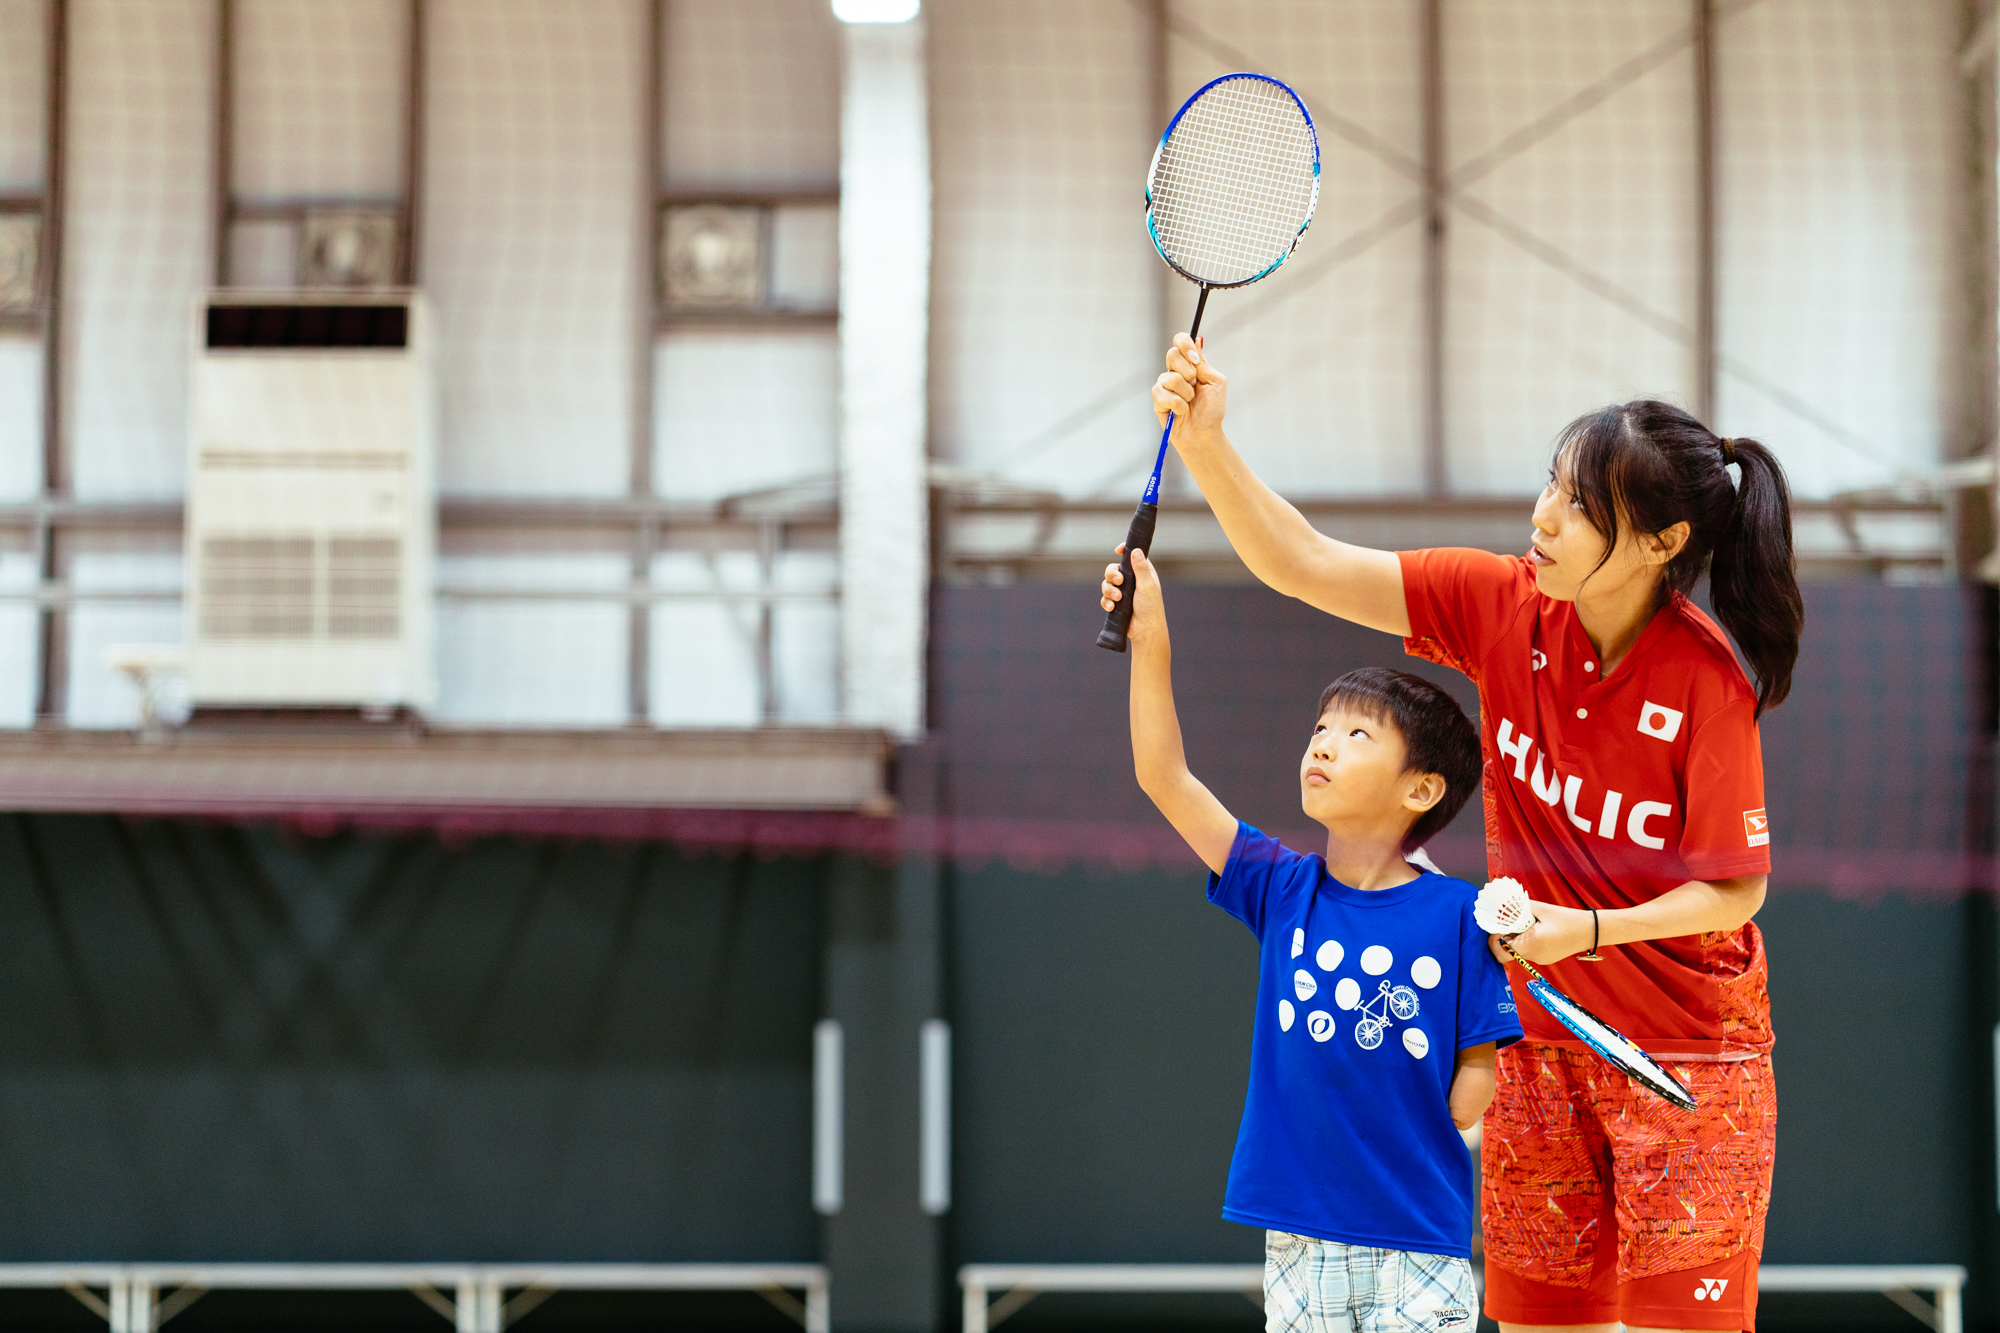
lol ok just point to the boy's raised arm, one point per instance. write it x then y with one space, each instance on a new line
1157 755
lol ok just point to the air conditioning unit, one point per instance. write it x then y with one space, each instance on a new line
312 502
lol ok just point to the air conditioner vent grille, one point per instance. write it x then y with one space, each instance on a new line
257 588
300 587
364 587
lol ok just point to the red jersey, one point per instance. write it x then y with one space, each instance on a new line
1608 792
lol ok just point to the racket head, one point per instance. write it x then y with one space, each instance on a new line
1234 181
1612 1045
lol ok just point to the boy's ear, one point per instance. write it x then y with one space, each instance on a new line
1426 790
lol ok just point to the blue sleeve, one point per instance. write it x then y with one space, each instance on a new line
1257 866
1486 1010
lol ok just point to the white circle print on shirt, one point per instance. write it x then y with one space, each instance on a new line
1389 1006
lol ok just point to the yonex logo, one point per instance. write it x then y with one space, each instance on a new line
1757 828
1658 720
1711 1288
1538 657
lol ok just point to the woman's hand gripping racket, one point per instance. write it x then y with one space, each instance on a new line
1232 187
1503 909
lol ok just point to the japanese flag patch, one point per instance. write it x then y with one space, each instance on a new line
1658 720
1757 828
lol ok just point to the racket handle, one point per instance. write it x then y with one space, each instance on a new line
1138 537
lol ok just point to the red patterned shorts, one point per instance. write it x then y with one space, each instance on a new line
1602 1202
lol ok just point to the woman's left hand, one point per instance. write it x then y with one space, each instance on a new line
1558 933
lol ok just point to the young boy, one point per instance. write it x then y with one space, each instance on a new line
1379 1007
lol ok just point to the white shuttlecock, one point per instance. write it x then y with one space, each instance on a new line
1502 908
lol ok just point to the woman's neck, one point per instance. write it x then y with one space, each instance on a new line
1614 618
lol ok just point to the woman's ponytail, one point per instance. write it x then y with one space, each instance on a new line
1651 465
1751 574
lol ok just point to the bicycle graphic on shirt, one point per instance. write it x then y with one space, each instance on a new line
1400 1001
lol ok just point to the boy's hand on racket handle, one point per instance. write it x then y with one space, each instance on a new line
1558 933
1149 613
1194 391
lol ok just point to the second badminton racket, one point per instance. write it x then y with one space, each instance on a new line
1503 910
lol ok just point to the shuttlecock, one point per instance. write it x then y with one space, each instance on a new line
1502 908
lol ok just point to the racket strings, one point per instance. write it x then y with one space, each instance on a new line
1235 182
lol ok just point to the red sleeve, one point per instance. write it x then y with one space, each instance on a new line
1727 832
1459 601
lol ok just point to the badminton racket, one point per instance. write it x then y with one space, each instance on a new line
1503 909
1233 185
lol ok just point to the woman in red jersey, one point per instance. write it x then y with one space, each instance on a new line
1625 788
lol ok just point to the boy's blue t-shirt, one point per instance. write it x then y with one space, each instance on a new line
1364 999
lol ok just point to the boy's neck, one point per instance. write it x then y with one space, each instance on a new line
1362 861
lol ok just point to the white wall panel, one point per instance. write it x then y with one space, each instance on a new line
532 663
20 418
805 638
1042 277
743 411
704 665
533 240
1558 199
264 253
1843 163
805 257
19 641
704 653
1324 357
137 247
319 98
752 95
23 95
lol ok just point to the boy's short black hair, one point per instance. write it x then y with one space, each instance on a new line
1437 736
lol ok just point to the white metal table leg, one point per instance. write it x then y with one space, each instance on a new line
975 1307
819 1311
1951 1319
131 1306
468 1306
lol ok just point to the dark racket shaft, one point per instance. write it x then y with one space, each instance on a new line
1233 186
1614 1046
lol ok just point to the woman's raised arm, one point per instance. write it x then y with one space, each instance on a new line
1283 550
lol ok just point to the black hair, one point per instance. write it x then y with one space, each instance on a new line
1437 736
1651 465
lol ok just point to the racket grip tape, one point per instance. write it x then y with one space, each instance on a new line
1138 537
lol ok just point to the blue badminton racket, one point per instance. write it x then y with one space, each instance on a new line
1232 187
1611 1045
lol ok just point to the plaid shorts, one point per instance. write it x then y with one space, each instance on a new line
1323 1286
